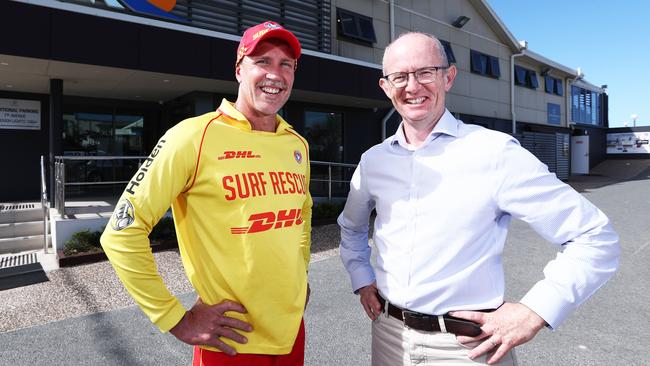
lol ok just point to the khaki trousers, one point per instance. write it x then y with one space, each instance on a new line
395 345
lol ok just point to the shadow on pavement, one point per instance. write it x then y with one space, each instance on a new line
610 172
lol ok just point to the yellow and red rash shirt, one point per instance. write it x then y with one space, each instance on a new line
242 211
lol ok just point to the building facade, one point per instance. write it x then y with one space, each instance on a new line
107 78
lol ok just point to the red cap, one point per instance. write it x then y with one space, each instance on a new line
267 30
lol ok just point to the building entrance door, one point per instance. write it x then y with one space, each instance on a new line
324 131
101 133
579 154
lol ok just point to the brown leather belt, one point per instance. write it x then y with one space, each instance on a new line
430 323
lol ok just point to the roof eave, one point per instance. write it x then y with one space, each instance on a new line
569 72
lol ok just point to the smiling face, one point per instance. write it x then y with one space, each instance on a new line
265 80
418 104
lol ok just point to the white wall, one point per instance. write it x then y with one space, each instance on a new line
62 229
472 93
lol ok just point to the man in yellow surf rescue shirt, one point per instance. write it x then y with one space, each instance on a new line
237 180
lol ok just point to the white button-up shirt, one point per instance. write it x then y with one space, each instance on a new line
443 211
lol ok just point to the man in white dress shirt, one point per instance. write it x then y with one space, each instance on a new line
444 193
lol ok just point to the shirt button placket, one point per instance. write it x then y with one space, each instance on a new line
412 211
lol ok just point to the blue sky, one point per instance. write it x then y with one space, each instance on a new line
608 40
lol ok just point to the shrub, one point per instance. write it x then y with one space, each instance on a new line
326 210
83 242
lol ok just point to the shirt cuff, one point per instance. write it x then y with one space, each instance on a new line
548 303
173 316
361 277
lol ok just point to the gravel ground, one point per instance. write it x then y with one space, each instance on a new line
93 288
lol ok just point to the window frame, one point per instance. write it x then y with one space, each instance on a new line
451 58
357 34
341 131
526 77
549 84
559 87
586 106
554 86
484 64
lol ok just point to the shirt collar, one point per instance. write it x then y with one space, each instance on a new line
447 125
238 120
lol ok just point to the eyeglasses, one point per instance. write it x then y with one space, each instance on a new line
424 75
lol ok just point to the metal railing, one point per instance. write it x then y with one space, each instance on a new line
335 174
59 185
89 173
45 204
343 177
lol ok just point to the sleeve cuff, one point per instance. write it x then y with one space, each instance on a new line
168 321
545 300
361 277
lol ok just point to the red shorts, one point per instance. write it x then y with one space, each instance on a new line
203 357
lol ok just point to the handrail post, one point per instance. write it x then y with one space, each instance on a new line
57 185
45 231
329 183
63 188
44 204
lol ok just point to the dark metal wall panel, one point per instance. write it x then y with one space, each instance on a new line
24 35
168 51
93 40
562 155
223 55
307 75
309 20
543 146
597 146
527 140
497 124
368 83
545 149
336 77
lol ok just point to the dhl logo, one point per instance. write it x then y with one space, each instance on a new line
270 220
239 155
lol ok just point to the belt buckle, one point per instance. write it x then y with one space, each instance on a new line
418 321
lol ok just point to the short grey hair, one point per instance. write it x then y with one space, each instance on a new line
436 42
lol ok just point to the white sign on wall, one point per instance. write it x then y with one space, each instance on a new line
628 143
20 114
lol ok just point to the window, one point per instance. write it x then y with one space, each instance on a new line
520 76
451 59
324 131
478 63
525 77
549 84
355 26
559 88
532 79
485 64
101 133
98 134
585 106
553 85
